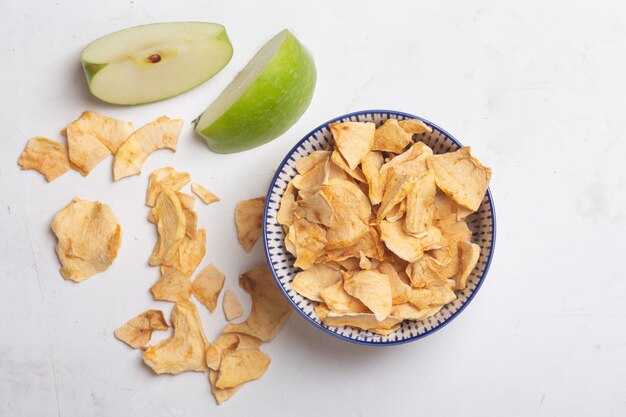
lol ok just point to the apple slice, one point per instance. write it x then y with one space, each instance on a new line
265 99
153 62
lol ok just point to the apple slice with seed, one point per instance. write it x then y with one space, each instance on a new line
152 62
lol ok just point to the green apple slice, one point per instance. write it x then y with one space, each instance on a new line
153 62
265 99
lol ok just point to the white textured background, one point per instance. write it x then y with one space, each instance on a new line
536 88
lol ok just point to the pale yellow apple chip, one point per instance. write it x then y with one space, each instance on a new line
231 306
371 165
399 289
461 176
396 191
186 200
241 366
397 241
352 210
310 240
171 225
172 286
88 238
92 137
285 214
189 254
270 309
191 218
160 134
304 165
207 286
45 156
410 163
431 297
137 332
468 254
373 289
421 204
414 126
310 282
248 219
408 311
364 261
220 395
391 137
315 208
166 178
184 351
204 194
315 177
354 140
339 301
356 173
426 271
214 353
365 321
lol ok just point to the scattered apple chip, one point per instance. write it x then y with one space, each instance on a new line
45 156
391 137
270 309
214 353
92 137
162 179
315 208
137 332
207 286
373 289
310 282
421 204
204 194
172 286
241 366
248 219
191 218
231 306
414 126
376 229
220 395
397 241
171 224
88 238
160 134
185 350
189 254
339 301
461 176
354 140
468 254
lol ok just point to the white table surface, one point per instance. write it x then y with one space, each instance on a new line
537 89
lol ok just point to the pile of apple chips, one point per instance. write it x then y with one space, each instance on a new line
377 223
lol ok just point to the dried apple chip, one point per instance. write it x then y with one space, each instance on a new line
352 210
172 286
426 271
92 137
304 165
397 189
189 254
207 285
161 134
397 241
270 309
468 254
204 194
391 137
414 126
421 204
285 214
410 163
310 282
248 219
365 321
137 332
310 240
220 395
214 353
372 288
354 140
408 311
461 176
162 179
315 177
399 289
184 351
339 301
356 173
231 306
171 223
241 366
431 297
88 238
45 156
315 208
371 165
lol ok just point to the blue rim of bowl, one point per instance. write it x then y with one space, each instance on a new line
271 265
